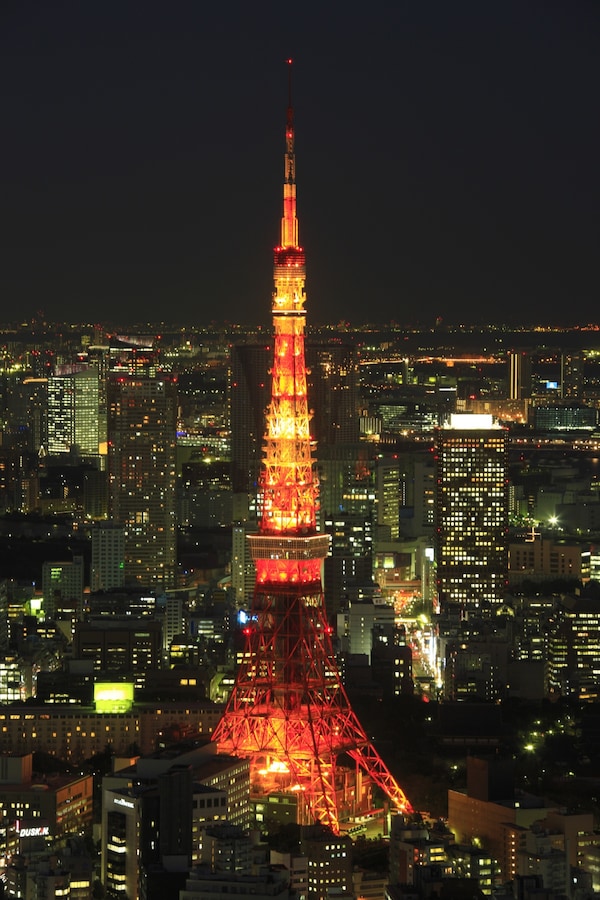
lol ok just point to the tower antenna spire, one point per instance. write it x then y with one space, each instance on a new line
290 109
289 222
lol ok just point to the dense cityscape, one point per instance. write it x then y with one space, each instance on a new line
459 487
299 598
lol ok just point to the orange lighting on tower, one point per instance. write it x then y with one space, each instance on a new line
289 711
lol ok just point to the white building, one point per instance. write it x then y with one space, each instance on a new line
76 419
108 556
471 513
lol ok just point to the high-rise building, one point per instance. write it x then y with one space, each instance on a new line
359 621
19 480
347 480
329 860
108 556
519 375
76 419
471 513
571 375
119 646
243 570
26 409
332 377
62 588
141 464
573 656
387 474
288 711
174 619
157 812
348 569
347 513
423 498
249 399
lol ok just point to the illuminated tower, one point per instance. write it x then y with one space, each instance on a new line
288 710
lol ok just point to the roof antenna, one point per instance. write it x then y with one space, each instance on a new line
290 110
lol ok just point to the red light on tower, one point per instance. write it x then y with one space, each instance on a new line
289 711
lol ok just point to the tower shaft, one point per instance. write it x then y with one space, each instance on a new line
288 710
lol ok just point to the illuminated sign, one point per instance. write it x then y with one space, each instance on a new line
113 697
34 831
120 801
472 421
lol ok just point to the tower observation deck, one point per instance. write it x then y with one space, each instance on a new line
288 711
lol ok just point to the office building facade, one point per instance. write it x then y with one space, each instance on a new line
519 375
76 417
471 513
108 556
141 464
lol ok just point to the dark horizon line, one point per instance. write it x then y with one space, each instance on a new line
392 324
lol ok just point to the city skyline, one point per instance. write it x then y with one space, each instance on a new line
448 161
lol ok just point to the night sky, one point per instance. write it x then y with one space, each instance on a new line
447 159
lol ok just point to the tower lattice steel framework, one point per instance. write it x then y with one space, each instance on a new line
288 710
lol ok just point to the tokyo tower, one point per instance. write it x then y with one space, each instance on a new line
288 711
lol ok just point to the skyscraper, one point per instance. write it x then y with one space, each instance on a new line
76 418
288 711
471 513
571 375
519 374
387 474
108 556
62 588
249 398
141 464
26 412
243 572
332 375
